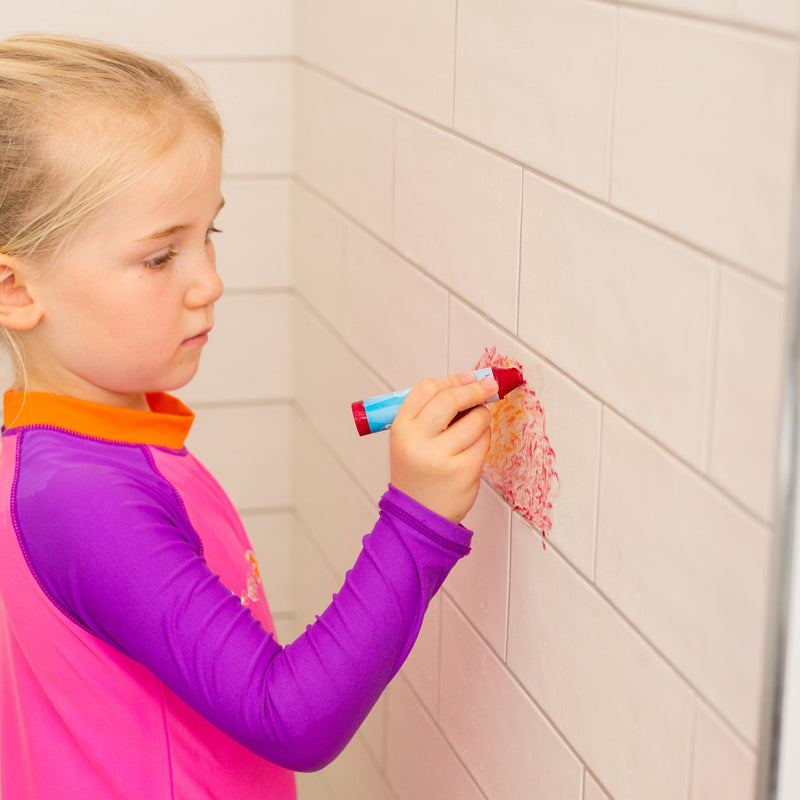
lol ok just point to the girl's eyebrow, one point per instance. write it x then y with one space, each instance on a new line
164 232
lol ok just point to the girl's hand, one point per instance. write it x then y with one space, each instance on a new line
436 463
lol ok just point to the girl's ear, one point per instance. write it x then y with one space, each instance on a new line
18 308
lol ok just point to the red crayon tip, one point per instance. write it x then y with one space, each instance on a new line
360 416
507 380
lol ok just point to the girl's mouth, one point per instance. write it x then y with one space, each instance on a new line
195 341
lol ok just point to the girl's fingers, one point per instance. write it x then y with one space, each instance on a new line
468 430
421 394
437 414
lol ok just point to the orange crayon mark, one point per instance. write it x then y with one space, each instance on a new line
521 461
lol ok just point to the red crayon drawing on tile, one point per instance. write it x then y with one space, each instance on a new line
521 462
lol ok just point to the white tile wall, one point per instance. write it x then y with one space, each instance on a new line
319 249
592 790
687 567
624 310
535 81
479 584
456 214
394 316
343 144
573 651
253 248
779 15
719 9
693 98
749 377
421 669
783 15
312 786
245 447
254 99
328 377
510 751
422 765
331 494
722 765
364 41
183 28
246 357
356 776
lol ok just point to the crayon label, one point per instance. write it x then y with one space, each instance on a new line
382 410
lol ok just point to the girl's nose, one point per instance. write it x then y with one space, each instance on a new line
206 286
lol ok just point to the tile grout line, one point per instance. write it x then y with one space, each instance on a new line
612 121
713 349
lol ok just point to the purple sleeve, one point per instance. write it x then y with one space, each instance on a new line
118 564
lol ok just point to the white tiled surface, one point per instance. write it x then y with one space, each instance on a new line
691 99
719 9
245 447
750 355
247 355
456 214
328 377
611 695
779 15
363 41
330 494
319 249
253 248
183 28
535 81
626 311
687 567
722 765
592 790
507 752
479 584
782 15
421 669
394 316
254 99
422 765
356 776
343 143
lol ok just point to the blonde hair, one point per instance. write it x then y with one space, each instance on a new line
80 121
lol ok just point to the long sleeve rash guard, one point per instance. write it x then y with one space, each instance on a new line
137 652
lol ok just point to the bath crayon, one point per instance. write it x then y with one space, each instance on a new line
377 413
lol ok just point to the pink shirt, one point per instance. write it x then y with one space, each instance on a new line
137 654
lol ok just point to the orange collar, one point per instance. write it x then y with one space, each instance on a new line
167 423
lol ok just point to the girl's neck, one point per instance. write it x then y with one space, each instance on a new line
133 400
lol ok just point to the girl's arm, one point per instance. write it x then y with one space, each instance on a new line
148 592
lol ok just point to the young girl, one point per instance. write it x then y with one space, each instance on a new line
136 660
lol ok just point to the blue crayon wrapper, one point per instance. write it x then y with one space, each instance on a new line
377 413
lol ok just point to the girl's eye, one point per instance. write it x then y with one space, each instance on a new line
212 230
160 261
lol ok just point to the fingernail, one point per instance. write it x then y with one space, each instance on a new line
468 377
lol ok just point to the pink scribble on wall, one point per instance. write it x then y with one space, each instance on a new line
521 462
